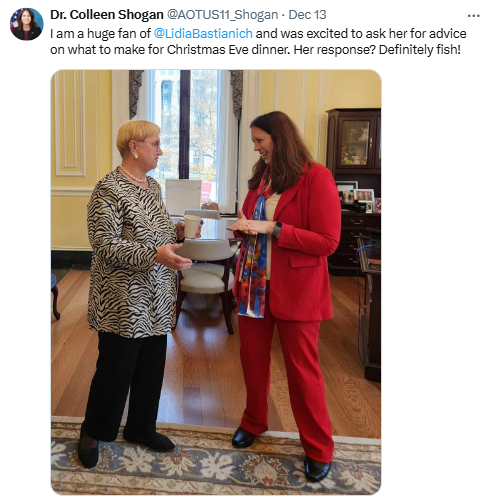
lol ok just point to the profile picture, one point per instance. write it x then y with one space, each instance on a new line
26 24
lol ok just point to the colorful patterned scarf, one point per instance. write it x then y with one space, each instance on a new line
252 261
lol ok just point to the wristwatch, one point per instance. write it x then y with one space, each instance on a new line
277 229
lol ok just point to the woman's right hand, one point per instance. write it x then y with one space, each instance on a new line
167 257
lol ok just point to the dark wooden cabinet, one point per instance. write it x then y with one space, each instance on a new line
354 154
353 225
354 145
378 145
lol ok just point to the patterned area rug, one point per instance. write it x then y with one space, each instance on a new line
204 462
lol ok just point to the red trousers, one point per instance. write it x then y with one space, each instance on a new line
299 342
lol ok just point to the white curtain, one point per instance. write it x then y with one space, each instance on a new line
227 150
250 110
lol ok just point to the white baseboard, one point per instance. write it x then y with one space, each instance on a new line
58 248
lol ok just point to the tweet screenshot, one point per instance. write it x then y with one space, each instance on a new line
205 183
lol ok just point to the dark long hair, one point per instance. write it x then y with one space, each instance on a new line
289 152
34 25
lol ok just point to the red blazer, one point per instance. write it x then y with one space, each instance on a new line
310 212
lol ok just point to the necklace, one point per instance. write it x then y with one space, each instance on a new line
132 176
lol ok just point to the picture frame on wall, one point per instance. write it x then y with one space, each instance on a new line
364 195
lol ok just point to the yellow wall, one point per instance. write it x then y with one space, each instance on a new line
81 150
306 96
81 127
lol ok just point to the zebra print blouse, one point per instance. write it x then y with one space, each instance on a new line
130 294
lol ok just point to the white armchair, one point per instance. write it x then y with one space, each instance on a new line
205 277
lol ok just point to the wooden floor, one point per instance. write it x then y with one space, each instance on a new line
203 382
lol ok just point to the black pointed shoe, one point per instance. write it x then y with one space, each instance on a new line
315 470
155 441
87 456
242 438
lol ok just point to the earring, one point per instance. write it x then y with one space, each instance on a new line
136 156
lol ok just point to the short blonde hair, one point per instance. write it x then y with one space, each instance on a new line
134 130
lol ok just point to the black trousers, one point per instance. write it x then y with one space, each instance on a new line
124 363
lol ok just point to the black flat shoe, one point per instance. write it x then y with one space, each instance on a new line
242 438
316 471
156 441
87 456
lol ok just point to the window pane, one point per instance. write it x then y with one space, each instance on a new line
167 117
202 149
203 131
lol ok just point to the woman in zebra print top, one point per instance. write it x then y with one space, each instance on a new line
132 295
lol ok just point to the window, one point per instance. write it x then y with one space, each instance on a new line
186 106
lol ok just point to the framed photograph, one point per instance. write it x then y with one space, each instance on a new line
364 194
345 186
377 205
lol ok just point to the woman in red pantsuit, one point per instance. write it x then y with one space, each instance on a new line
290 221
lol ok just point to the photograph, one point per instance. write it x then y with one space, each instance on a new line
140 288
364 194
346 185
26 24
377 205
346 189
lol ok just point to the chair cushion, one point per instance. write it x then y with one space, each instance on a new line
53 281
206 250
205 278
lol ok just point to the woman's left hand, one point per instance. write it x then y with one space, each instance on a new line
253 227
181 230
